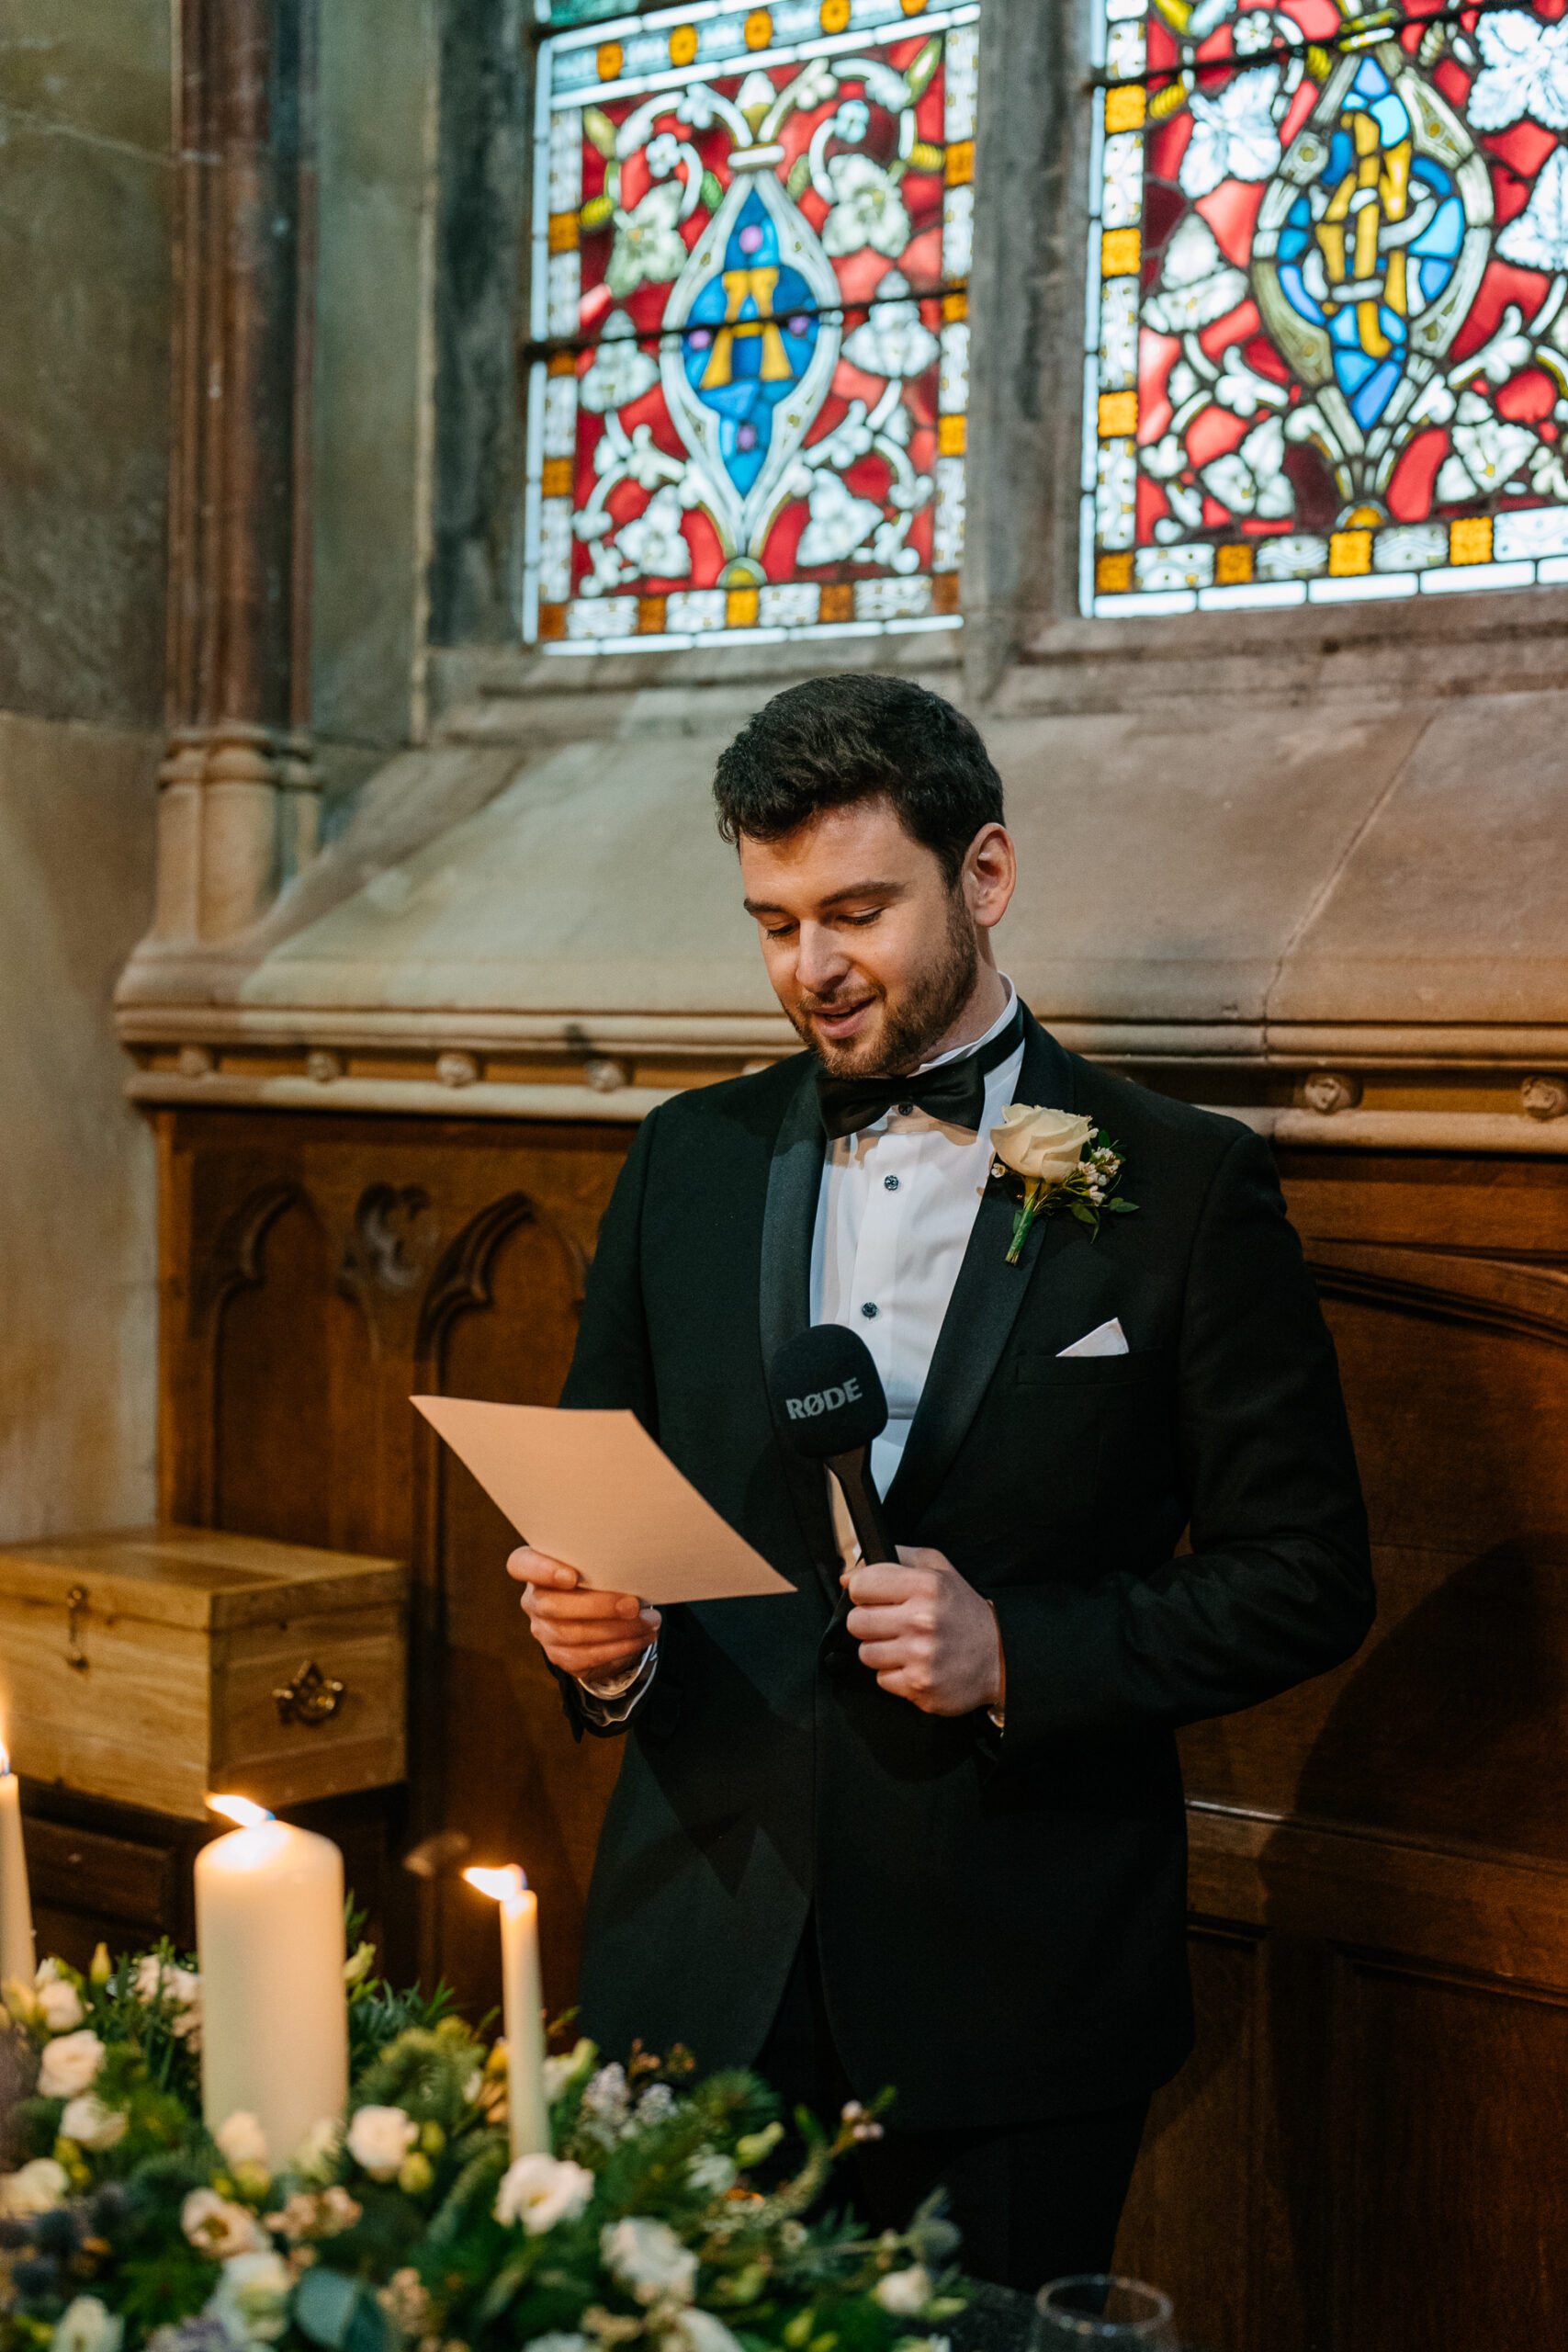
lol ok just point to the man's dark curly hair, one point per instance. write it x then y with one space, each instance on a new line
834 741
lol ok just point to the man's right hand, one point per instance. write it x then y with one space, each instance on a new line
579 1633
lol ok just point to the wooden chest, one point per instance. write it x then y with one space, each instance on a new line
153 1665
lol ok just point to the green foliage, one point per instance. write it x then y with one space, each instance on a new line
653 2167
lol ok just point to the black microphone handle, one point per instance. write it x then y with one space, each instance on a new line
852 1471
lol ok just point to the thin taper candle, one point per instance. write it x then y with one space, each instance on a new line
523 2008
17 1958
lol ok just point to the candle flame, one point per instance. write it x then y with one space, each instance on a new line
5 1756
503 1884
242 1811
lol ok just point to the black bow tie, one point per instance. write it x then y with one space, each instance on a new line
954 1091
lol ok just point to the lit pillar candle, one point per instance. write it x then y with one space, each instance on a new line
15 1903
270 1939
522 2007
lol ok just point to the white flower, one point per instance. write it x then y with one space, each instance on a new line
905 2293
867 209
839 521
379 2138
69 2064
1037 1142
562 2072
853 120
541 2190
1198 285
557 2340
218 2226
653 543
663 153
649 2259
1234 135
647 244
892 341
60 2006
251 2300
1493 451
1536 238
699 2330
1258 30
87 2325
1525 72
1252 480
92 2124
241 2138
620 371
711 2172
38 2188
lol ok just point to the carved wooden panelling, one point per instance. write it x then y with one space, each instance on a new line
1356 2156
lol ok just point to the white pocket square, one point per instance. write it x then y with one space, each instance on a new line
1105 1339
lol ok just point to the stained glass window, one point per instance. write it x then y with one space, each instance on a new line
750 343
1326 340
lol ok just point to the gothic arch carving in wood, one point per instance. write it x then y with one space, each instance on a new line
1526 1297
462 1281
237 1260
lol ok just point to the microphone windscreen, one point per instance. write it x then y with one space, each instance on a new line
826 1392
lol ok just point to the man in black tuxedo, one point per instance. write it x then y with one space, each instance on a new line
949 1853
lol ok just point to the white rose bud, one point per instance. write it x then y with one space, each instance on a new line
241 2139
1040 1143
379 2138
905 2293
647 2257
87 2325
38 2188
60 2006
699 2330
92 2124
251 2300
70 2064
539 2191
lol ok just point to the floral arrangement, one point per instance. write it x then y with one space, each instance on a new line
1050 1160
654 2223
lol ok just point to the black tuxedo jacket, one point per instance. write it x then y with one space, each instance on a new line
1000 1915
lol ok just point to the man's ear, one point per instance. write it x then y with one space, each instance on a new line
990 875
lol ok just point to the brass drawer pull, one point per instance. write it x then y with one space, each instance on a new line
311 1698
76 1607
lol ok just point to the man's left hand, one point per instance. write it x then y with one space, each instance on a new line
926 1635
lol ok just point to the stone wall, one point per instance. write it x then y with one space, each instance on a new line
84 107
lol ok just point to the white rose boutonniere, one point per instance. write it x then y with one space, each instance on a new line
1055 1160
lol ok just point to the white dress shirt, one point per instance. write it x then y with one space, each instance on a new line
894 1214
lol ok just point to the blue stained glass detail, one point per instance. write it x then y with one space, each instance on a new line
751 334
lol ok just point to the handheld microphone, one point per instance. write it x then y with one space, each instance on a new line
828 1397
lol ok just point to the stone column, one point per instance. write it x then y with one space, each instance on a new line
238 805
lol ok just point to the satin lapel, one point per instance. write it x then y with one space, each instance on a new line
984 1305
789 1218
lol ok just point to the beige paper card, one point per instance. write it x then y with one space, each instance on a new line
593 1488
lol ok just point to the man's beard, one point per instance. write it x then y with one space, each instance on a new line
911 1027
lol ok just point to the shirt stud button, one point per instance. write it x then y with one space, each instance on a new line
869 1311
906 1110
890 1183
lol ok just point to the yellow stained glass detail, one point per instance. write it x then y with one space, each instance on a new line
912 7
955 306
562 363
835 15
1117 413
758 29
952 437
1470 540
1121 253
563 233
1348 553
741 608
552 620
555 478
741 286
960 163
838 602
608 59
1232 566
651 612
1113 574
1124 108
682 45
